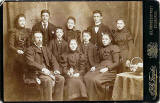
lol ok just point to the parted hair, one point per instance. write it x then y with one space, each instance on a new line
45 11
98 11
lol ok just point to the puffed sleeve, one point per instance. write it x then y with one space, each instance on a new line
115 56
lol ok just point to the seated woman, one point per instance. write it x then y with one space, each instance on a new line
73 70
104 73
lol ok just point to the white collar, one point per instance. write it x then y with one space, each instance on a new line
86 43
44 23
59 39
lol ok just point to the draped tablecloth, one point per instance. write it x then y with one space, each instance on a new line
128 86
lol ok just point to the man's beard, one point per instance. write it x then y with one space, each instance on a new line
39 43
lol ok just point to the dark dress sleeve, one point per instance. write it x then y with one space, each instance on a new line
82 62
12 40
129 36
29 38
115 56
64 63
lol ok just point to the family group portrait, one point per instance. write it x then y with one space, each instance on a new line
73 51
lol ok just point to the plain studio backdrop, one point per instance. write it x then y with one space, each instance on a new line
131 11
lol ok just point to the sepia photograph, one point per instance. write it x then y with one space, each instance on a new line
73 51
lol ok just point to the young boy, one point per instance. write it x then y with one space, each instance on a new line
88 49
70 32
58 46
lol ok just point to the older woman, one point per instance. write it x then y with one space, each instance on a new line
19 40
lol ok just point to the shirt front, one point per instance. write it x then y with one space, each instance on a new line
45 25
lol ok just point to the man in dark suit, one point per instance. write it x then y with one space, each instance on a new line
97 29
44 69
47 29
59 46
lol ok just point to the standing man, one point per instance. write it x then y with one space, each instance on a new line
47 29
97 29
44 69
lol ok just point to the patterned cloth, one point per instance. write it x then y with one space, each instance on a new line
128 86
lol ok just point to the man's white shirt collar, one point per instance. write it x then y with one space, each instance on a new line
97 28
44 23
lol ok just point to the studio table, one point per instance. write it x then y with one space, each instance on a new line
128 86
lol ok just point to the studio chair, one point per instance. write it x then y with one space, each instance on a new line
31 91
109 86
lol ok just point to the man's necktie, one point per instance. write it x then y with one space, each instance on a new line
45 26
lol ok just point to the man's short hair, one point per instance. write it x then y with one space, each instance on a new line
86 31
73 18
97 11
45 11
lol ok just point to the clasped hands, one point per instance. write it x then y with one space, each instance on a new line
101 70
71 73
47 72
20 51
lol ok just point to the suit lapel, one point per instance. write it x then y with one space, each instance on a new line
37 49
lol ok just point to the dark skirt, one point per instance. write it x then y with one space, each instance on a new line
74 88
96 83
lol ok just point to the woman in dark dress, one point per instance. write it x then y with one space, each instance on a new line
124 40
73 70
104 73
19 40
70 32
